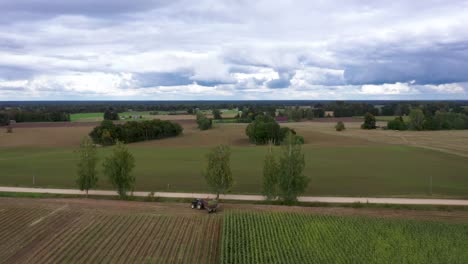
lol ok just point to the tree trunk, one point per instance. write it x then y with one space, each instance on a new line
217 196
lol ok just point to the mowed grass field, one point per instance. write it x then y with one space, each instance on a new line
338 164
252 237
103 231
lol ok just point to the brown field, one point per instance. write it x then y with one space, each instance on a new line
230 134
79 231
69 134
105 231
448 141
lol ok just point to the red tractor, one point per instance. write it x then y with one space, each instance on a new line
209 205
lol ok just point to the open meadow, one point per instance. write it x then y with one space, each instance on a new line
102 231
354 162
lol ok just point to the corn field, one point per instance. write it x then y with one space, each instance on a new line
275 237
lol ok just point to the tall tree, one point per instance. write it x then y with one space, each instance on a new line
291 180
270 175
118 168
369 121
87 175
216 114
218 173
416 117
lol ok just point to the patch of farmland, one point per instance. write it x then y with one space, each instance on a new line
250 237
76 234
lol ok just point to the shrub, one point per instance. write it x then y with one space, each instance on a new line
111 115
9 129
340 126
204 122
397 124
217 114
369 122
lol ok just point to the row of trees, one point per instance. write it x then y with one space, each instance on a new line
340 108
109 133
283 176
264 129
117 167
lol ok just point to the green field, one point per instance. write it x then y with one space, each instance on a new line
380 170
86 117
303 238
89 117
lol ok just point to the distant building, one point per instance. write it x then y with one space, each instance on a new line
329 114
281 119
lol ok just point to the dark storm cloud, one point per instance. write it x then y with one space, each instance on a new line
447 63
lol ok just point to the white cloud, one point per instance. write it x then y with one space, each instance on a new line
448 88
387 88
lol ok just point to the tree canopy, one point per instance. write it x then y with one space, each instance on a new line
118 167
87 174
218 173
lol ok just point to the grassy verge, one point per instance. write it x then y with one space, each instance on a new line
446 208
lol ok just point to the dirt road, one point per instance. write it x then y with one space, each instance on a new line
240 197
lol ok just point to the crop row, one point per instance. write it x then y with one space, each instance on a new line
252 237
89 237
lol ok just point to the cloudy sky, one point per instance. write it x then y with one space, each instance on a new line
214 49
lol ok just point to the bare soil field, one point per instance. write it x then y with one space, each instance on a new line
78 231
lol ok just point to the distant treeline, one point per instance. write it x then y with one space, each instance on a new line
32 116
109 133
308 109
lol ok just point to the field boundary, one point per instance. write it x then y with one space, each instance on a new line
241 197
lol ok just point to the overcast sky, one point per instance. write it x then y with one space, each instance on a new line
214 49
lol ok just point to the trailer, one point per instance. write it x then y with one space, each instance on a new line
211 205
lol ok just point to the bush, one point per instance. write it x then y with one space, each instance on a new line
369 122
111 115
108 133
9 129
340 126
151 197
217 114
397 124
204 122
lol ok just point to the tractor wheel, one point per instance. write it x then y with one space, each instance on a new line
199 206
193 206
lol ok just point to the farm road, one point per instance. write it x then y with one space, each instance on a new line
240 197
